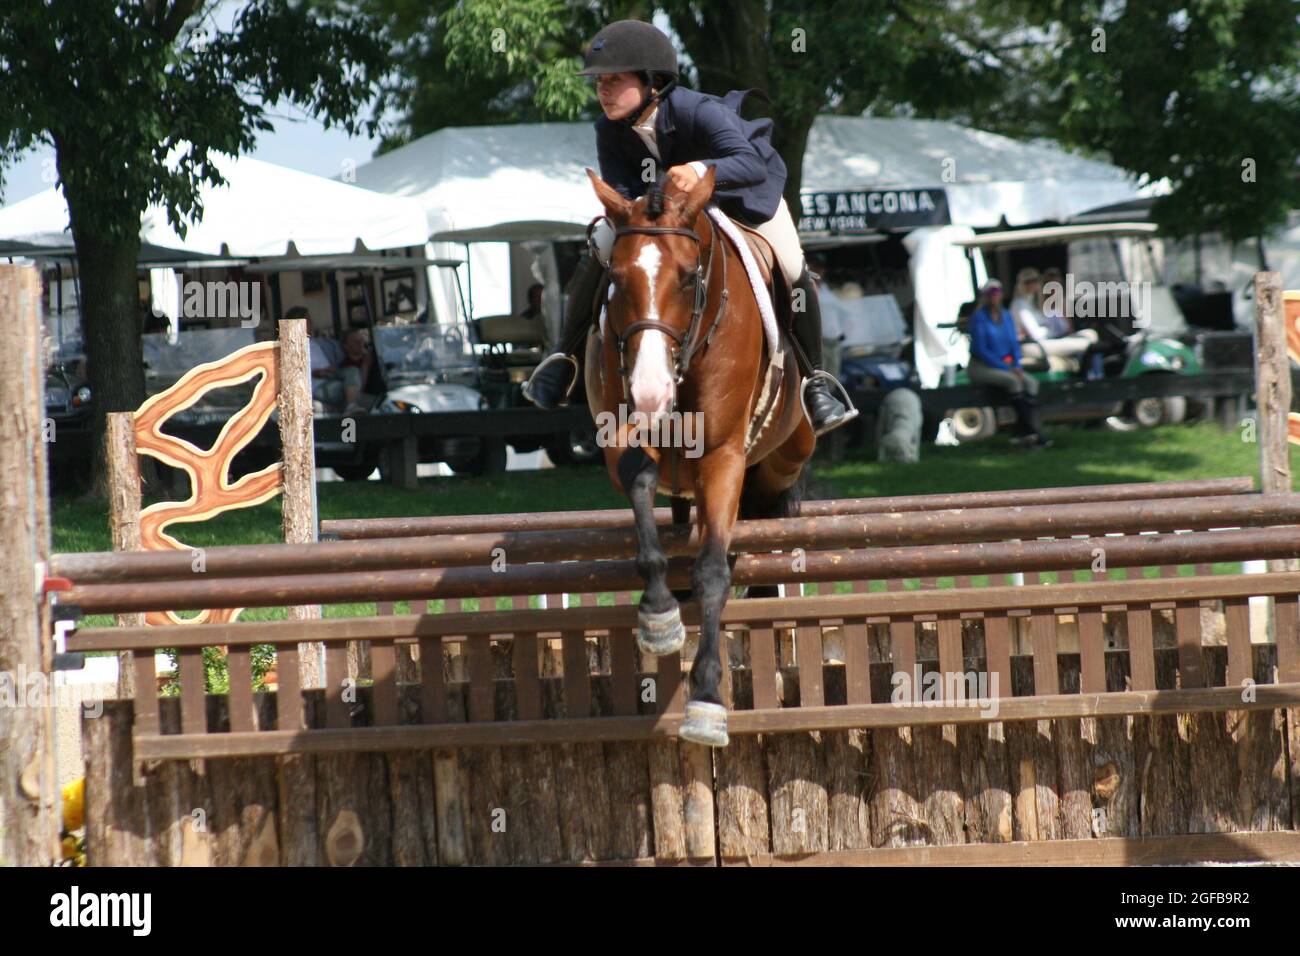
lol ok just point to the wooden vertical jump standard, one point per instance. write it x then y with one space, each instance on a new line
282 373
29 811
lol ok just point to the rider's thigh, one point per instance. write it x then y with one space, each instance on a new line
781 234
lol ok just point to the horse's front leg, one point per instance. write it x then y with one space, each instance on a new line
659 619
717 498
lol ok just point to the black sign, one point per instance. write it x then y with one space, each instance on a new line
844 213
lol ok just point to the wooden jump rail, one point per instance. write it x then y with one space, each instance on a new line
105 579
890 564
354 528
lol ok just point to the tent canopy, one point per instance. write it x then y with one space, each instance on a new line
59 246
485 177
263 210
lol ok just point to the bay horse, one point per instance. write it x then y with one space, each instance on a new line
683 335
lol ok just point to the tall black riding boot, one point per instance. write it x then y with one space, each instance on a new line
552 381
825 409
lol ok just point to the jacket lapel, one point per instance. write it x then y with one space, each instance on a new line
666 131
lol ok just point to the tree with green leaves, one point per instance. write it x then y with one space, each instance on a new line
1203 93
135 96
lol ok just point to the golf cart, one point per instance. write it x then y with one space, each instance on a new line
1138 325
418 367
509 346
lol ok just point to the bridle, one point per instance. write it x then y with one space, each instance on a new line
685 344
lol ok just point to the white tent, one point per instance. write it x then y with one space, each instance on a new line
527 182
986 176
532 174
263 210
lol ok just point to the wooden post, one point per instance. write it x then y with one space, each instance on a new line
403 459
123 470
1272 393
29 814
298 468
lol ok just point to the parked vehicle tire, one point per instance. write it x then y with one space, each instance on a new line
490 459
355 472
1149 412
575 447
973 424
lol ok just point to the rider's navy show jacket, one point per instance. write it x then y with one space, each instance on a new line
692 126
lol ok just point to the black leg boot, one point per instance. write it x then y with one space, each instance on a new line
821 393
552 381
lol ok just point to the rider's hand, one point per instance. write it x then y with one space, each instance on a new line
683 177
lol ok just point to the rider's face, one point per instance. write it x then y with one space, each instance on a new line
620 93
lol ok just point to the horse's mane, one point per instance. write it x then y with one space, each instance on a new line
654 201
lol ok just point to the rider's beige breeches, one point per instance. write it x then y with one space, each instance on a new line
780 232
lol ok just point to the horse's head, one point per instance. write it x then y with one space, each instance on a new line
658 291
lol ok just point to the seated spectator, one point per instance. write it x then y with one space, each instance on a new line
1052 304
1035 328
357 358
1060 325
333 384
995 360
534 308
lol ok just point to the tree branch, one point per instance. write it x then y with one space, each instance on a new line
180 11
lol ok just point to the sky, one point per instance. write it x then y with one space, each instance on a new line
298 141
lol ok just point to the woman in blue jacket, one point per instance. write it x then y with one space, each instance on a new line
651 122
995 360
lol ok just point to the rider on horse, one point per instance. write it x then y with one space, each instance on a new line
650 120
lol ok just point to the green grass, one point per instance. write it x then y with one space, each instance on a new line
1081 456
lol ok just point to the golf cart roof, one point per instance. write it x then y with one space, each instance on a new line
1051 235
357 261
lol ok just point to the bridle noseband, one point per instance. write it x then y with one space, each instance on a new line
686 344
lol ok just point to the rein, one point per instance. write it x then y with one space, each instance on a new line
686 344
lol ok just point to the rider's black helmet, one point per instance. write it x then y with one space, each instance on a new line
630 46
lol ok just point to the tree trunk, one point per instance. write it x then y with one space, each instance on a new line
730 47
112 324
791 139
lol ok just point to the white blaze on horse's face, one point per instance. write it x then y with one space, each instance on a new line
652 373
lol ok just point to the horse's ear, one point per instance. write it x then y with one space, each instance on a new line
699 196
613 201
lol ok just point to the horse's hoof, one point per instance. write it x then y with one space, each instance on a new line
705 724
661 633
